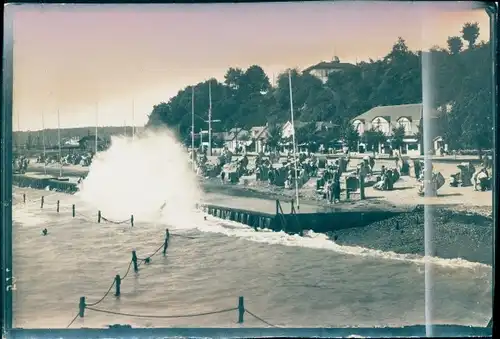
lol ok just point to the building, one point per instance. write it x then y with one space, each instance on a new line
258 135
88 143
235 137
385 118
324 69
287 128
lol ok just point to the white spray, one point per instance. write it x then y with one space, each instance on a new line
149 178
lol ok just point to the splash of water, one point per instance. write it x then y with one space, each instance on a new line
148 177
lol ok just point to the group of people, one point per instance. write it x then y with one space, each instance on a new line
20 164
305 165
82 159
469 176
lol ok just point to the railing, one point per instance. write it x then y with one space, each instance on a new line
134 263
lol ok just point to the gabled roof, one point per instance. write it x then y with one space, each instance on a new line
330 65
411 111
233 132
89 138
319 124
258 132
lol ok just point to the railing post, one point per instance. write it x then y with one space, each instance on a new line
73 208
134 261
98 217
132 220
24 197
277 206
42 201
82 305
57 206
362 187
118 282
241 310
165 245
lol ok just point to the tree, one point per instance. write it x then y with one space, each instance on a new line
373 138
274 136
455 44
350 136
470 33
246 98
398 134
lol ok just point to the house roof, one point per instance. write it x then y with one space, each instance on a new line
258 131
393 113
330 65
233 132
89 138
319 124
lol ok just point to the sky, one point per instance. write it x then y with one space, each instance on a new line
110 64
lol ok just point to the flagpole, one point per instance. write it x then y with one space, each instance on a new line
293 140
96 124
59 142
192 126
43 141
210 118
133 117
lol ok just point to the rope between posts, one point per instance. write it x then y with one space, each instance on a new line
164 316
115 222
105 294
149 256
72 321
91 307
260 319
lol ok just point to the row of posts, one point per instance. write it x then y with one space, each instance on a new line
118 279
73 208
118 282
241 307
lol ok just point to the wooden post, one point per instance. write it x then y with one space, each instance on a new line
277 207
73 210
134 260
57 206
165 245
241 310
132 220
24 197
42 201
98 217
362 187
81 313
118 282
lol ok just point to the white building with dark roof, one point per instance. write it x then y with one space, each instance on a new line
386 118
324 69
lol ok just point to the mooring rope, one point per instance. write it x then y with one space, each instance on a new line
91 307
164 316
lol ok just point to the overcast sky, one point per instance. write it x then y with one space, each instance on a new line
83 59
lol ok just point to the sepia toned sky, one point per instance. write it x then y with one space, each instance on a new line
120 60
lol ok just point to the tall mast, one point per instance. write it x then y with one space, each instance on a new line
59 142
133 122
96 124
210 117
293 140
192 126
43 141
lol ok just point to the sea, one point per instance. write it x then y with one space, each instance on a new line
285 280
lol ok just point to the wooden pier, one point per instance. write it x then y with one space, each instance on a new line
295 222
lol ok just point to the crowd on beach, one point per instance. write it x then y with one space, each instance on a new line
80 158
334 176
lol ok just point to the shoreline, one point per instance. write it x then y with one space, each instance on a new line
461 232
